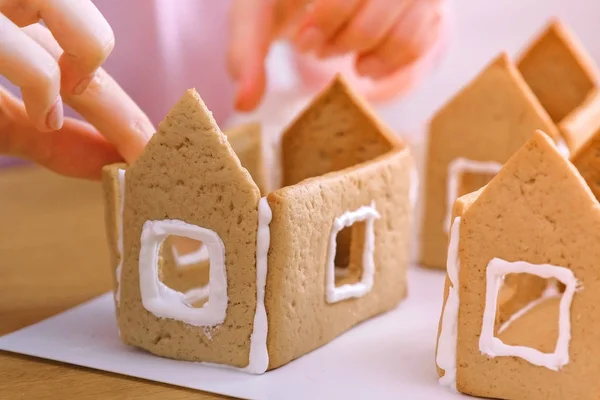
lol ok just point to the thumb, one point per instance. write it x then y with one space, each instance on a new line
250 32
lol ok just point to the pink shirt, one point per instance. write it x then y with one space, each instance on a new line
164 47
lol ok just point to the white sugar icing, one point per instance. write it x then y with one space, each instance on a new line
121 180
447 341
455 170
494 347
259 355
165 302
194 257
332 293
196 294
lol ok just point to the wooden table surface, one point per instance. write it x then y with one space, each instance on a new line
53 257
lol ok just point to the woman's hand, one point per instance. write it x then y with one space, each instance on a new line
384 35
62 63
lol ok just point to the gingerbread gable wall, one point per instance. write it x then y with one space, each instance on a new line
537 210
558 70
190 174
490 119
336 131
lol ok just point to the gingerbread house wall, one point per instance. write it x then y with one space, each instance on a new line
538 211
484 124
302 314
111 186
189 173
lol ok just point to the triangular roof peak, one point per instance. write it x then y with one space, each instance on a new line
339 91
337 130
190 139
499 79
539 174
558 69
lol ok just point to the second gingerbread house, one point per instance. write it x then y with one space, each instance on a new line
553 87
520 301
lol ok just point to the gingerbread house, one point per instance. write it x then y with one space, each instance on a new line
564 78
552 87
520 296
284 272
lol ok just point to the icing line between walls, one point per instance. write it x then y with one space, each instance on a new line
447 341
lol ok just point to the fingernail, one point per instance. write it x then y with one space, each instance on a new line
310 38
55 117
82 85
373 67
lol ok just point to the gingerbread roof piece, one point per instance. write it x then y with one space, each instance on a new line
336 131
469 139
558 70
530 223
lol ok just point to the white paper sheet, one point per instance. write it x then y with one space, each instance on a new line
388 357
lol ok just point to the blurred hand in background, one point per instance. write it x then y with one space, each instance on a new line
384 36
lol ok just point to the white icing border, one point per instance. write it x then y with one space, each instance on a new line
259 354
447 340
332 293
192 258
456 168
494 347
119 270
197 294
165 302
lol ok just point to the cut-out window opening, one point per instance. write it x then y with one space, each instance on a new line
192 281
466 176
197 296
349 252
527 312
188 252
350 259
